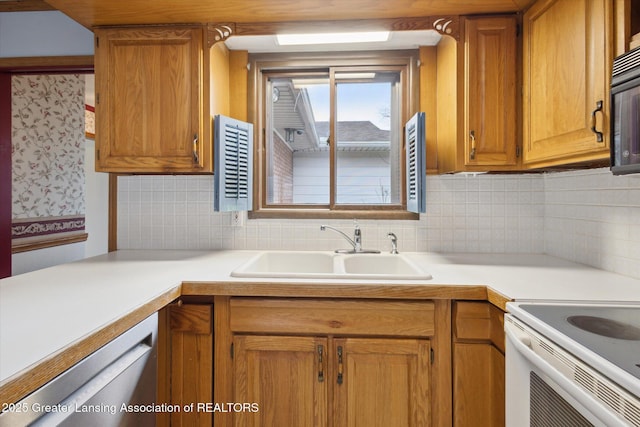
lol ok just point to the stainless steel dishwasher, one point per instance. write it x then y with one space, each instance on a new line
114 386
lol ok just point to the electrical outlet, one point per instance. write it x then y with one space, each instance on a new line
237 219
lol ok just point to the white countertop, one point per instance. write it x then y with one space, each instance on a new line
43 312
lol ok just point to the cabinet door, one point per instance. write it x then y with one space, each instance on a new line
381 382
285 376
490 71
478 385
190 366
566 72
150 100
478 365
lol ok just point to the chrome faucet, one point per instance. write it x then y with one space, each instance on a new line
394 243
356 242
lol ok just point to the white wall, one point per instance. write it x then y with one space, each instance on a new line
50 33
54 34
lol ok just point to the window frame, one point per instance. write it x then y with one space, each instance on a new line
407 61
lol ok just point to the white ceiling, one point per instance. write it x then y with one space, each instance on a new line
397 40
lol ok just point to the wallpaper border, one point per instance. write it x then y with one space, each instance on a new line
37 233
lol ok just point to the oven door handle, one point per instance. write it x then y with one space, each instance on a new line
595 407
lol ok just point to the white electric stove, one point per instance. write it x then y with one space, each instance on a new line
573 364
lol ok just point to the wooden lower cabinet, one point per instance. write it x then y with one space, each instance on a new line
264 362
309 381
478 384
478 365
284 376
185 368
381 382
331 362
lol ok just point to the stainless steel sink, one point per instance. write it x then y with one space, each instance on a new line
329 265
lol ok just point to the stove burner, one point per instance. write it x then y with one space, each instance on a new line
606 327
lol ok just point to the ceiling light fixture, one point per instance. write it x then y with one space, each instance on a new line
332 38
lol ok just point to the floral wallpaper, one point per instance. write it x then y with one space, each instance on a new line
48 136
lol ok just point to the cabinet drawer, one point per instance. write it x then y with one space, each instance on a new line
478 321
191 318
339 317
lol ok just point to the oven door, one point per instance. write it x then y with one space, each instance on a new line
540 385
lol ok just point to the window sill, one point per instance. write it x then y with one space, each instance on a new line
332 214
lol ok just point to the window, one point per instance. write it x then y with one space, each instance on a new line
332 135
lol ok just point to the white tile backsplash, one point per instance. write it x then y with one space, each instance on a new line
587 216
593 217
483 213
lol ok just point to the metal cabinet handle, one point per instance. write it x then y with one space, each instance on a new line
320 364
472 153
340 365
599 136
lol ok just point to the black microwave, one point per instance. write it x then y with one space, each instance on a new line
625 114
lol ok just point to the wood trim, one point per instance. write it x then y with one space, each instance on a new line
428 103
497 299
284 64
19 385
442 390
332 214
219 32
163 386
238 74
43 64
112 244
222 359
49 243
335 290
5 175
447 25
622 26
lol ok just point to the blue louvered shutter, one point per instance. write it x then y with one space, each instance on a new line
415 145
233 173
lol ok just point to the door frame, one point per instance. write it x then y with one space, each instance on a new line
8 68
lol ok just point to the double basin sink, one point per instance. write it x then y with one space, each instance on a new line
329 265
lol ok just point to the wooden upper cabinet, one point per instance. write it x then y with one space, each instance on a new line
567 56
490 86
152 100
476 96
